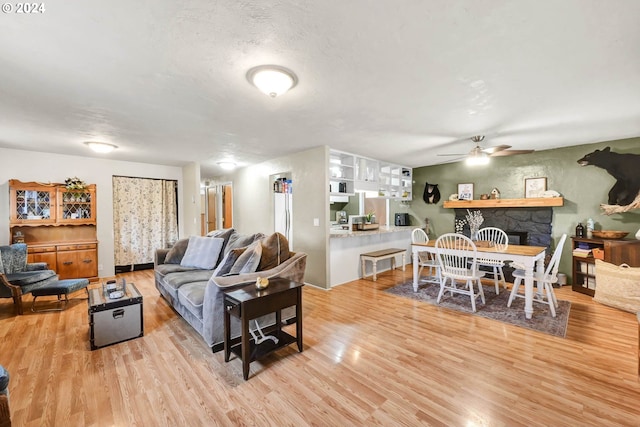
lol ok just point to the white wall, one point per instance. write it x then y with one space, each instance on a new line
46 167
191 201
253 204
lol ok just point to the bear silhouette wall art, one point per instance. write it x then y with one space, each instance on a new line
625 168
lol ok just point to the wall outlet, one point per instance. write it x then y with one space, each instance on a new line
100 267
316 222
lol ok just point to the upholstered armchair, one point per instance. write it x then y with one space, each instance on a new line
5 415
17 277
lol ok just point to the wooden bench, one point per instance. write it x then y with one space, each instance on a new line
376 256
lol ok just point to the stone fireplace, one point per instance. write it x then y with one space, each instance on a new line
517 237
524 226
532 223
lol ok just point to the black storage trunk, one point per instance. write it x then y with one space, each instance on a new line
114 320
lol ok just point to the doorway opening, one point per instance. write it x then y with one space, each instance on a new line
218 207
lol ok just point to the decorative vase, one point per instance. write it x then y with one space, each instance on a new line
473 233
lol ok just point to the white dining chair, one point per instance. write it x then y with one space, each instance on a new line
425 259
544 281
457 256
499 238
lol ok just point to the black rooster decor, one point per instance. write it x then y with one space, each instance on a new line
431 194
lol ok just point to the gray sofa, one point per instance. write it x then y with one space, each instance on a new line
197 295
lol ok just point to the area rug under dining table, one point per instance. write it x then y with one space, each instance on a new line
495 307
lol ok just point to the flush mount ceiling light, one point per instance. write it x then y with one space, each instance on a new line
272 80
101 147
227 165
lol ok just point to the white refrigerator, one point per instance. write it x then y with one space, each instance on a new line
283 215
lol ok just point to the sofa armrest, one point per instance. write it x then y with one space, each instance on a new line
292 269
35 266
161 255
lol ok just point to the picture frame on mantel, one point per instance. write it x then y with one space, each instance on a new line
465 191
534 187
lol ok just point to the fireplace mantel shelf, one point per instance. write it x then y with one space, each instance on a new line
506 203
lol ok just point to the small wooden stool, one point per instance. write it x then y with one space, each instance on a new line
376 256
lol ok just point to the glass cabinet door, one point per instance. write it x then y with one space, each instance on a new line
33 204
76 206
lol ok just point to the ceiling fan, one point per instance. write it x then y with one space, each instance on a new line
480 156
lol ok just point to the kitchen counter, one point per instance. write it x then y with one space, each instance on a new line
346 246
338 233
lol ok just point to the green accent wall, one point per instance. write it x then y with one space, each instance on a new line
584 188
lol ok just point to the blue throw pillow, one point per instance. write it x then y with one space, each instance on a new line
202 252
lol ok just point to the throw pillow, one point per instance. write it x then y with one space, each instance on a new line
202 252
275 250
225 234
175 254
224 267
240 241
249 260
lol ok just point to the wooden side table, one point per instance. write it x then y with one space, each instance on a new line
249 303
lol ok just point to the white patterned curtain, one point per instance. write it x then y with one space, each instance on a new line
144 218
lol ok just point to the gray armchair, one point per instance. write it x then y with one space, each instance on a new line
5 415
17 277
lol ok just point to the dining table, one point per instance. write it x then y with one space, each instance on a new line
531 258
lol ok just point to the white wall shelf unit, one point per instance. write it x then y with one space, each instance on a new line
341 175
350 173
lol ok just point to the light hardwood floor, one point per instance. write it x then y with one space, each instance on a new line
370 358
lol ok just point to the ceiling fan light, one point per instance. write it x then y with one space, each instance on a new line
478 159
272 80
101 147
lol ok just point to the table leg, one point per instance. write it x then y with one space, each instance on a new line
374 262
227 333
415 270
278 323
393 262
363 266
299 320
245 347
528 292
404 261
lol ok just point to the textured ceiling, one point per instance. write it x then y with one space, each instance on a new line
397 80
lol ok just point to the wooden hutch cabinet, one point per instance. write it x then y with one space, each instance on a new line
620 251
58 225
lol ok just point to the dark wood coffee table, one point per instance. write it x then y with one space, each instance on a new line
249 303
